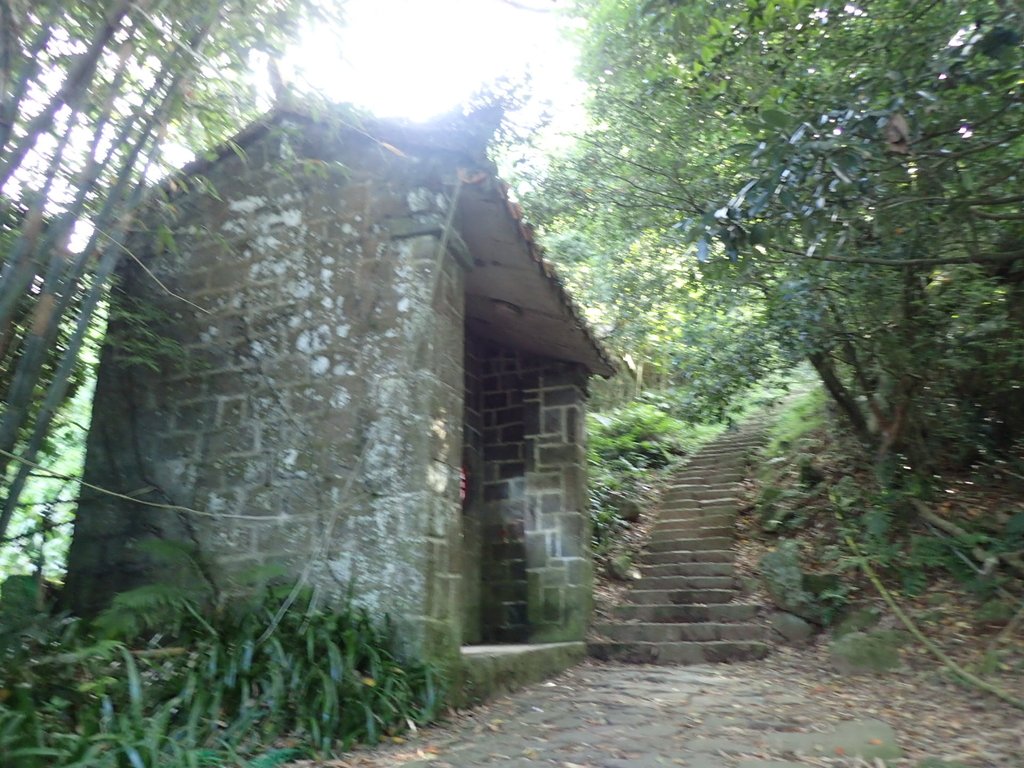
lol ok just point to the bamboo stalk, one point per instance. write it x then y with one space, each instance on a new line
76 84
114 181
54 241
31 65
26 375
28 242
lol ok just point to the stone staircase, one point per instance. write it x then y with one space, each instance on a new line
683 609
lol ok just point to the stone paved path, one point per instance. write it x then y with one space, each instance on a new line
617 716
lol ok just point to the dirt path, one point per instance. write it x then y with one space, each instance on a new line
782 712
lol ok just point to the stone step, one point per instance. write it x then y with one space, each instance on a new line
694 504
685 582
693 487
680 596
707 476
732 441
674 633
696 523
721 454
713 494
720 446
732 444
686 613
680 514
728 449
678 502
724 449
688 515
678 653
696 518
688 556
669 531
688 569
715 467
700 491
689 545
683 509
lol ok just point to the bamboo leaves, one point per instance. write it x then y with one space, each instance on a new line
89 94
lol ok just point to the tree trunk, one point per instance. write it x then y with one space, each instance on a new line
841 395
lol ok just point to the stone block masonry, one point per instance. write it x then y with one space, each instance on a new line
536 557
308 403
311 405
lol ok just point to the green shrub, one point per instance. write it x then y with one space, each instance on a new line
624 446
242 687
637 436
799 416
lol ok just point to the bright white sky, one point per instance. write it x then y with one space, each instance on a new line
420 58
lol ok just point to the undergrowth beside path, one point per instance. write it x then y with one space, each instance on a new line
159 682
882 588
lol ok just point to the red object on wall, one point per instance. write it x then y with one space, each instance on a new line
463 484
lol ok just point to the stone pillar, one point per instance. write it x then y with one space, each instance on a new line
472 506
504 593
557 527
536 569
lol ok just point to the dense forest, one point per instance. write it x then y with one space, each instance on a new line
766 193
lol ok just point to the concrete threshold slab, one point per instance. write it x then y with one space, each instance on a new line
488 670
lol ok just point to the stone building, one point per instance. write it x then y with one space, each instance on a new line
356 370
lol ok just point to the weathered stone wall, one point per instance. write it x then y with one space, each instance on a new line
559 564
472 520
312 414
504 493
536 560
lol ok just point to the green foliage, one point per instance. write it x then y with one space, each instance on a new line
776 512
784 503
237 687
140 343
94 94
881 518
765 182
883 525
625 445
637 436
799 416
40 529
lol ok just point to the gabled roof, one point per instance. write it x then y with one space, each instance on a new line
513 294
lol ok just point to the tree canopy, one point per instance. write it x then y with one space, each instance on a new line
766 181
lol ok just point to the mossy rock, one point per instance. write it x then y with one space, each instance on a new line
793 590
995 611
934 762
792 628
627 509
820 583
810 475
857 620
620 567
868 652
